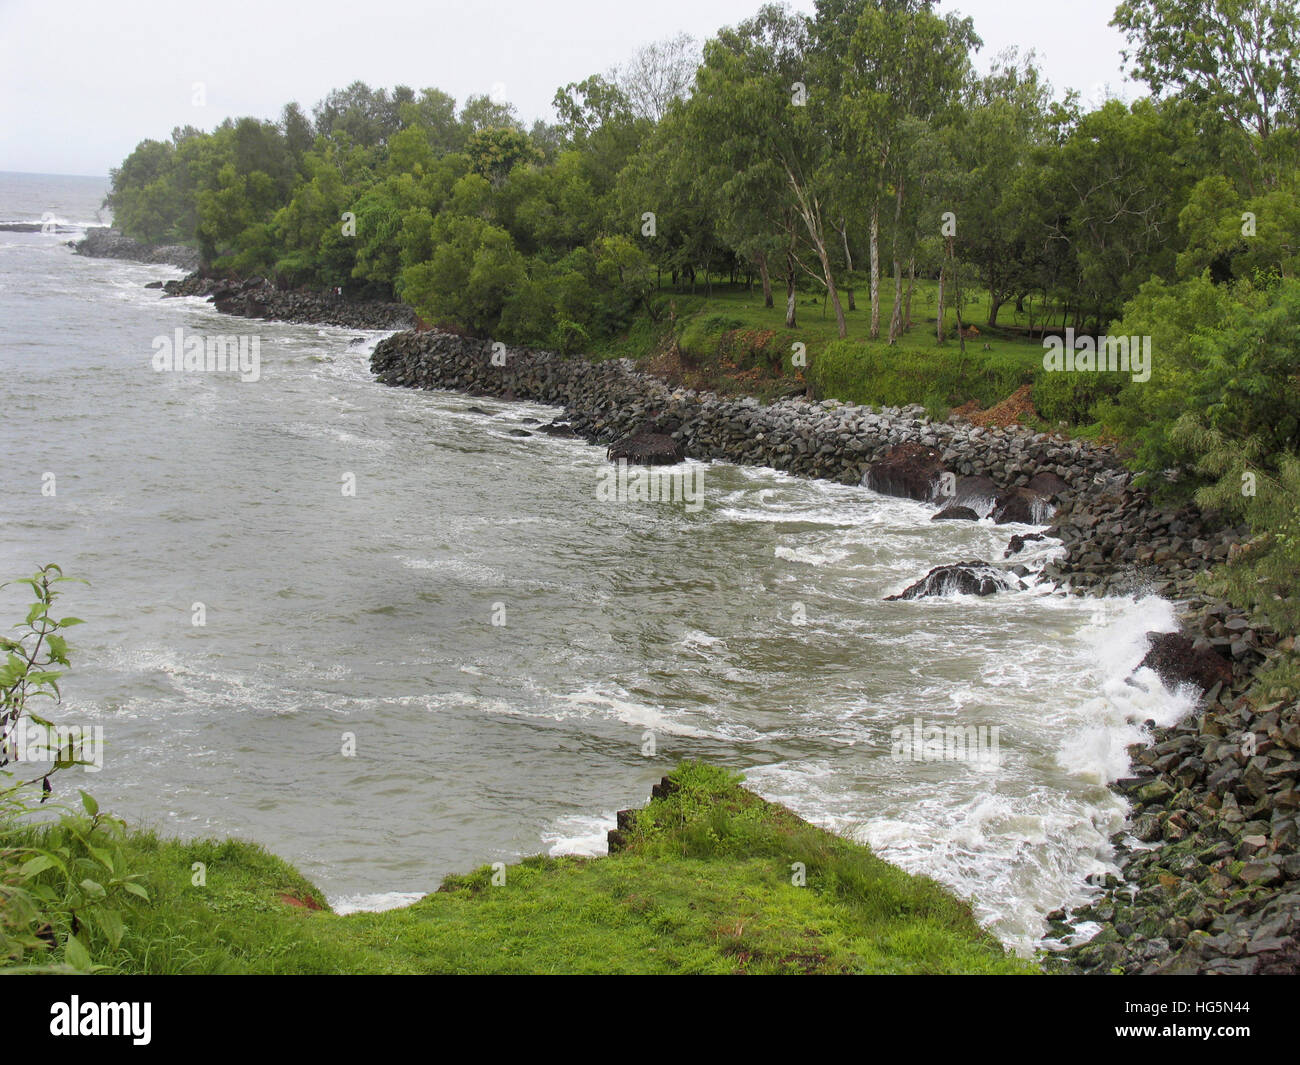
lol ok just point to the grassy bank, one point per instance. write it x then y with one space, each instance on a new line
703 885
729 342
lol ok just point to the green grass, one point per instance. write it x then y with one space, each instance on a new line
704 885
730 342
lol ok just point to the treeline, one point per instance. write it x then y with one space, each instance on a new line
853 153
854 150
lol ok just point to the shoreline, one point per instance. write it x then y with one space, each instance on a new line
1116 541
1208 883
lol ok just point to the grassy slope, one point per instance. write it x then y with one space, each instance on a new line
703 886
915 370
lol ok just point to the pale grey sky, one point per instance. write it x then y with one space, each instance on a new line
82 81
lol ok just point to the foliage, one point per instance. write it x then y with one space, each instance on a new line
64 886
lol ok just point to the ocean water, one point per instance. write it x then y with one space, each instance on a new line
471 657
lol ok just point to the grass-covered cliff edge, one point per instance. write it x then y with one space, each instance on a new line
704 882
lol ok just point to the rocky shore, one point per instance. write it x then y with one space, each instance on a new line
258 298
1210 875
105 243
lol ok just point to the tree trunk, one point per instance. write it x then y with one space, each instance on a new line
848 261
943 276
896 315
875 271
789 290
911 287
767 279
995 304
840 324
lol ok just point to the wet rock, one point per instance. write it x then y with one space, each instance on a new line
1176 660
1022 506
963 578
103 243
1017 543
911 470
646 449
956 513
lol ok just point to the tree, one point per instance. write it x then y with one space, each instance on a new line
658 74
1239 57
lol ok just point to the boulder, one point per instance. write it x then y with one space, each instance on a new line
1023 506
1018 542
978 493
646 449
910 470
956 513
1047 484
962 578
1175 659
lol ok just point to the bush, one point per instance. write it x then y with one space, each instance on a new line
1070 397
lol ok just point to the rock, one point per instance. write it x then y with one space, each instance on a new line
1048 485
976 492
1022 506
1175 660
1017 543
100 242
910 470
956 513
963 578
646 449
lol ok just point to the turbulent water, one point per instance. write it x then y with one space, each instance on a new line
749 633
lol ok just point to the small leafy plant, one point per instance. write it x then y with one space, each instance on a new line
63 885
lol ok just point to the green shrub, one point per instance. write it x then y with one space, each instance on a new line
1070 397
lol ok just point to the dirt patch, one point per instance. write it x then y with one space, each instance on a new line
306 903
1016 409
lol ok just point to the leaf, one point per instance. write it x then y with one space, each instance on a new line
76 955
135 889
93 888
111 922
92 808
37 865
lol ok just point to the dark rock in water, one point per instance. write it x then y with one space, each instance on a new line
559 429
520 432
256 297
647 449
1022 506
1018 542
963 578
1047 484
956 513
978 493
103 243
1175 659
154 284
475 410
910 470
528 421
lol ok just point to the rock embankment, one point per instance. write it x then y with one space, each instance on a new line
256 297
607 401
105 243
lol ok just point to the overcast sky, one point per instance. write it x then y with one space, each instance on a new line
82 82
